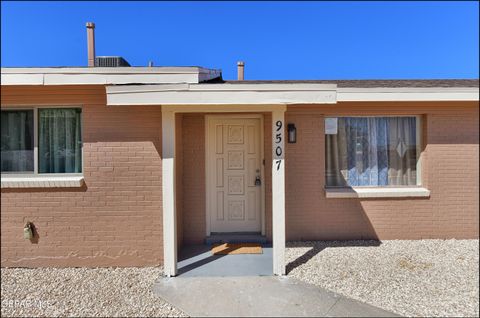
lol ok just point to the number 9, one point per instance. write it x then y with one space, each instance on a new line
279 124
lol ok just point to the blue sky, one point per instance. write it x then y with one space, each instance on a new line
277 40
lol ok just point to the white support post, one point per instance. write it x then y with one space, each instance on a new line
278 191
168 187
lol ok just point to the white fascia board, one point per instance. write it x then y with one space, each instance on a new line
213 94
105 75
264 87
103 70
408 94
106 79
146 88
22 79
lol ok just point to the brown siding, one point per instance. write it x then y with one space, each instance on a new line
116 218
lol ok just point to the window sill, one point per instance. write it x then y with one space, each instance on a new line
406 192
42 182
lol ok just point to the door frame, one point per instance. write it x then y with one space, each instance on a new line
209 176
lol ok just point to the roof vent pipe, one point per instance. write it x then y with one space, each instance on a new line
240 70
91 43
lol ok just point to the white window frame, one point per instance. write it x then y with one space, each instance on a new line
13 176
418 140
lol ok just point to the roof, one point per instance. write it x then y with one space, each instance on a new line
374 83
198 85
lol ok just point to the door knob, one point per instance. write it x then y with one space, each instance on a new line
258 182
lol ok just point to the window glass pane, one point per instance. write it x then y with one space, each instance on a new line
17 141
59 140
371 151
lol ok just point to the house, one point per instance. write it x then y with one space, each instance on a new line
121 166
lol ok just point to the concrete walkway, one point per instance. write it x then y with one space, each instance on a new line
258 296
197 260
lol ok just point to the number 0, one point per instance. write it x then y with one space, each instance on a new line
278 151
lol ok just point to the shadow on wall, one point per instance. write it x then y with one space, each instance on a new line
317 247
83 188
36 236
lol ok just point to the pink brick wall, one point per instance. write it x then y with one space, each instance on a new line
450 171
116 219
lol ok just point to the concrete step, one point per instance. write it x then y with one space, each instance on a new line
235 238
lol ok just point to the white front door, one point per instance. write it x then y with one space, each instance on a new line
234 174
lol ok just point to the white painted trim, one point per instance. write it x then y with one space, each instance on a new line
221 94
105 75
41 182
208 173
368 192
221 87
168 193
223 108
408 94
278 193
109 70
262 173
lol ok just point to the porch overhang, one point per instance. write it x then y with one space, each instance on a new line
221 94
278 178
212 98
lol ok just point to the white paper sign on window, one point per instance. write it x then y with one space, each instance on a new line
331 126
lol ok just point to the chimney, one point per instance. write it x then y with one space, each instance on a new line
91 43
240 70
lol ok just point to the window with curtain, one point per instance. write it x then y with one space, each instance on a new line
17 141
371 151
59 140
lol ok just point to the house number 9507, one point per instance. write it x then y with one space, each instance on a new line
278 140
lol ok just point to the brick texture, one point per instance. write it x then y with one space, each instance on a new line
116 218
194 217
450 170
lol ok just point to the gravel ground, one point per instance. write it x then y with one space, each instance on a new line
80 292
410 278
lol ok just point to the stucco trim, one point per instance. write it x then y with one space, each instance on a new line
220 94
42 182
406 192
105 75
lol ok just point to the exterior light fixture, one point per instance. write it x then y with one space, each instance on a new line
292 133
